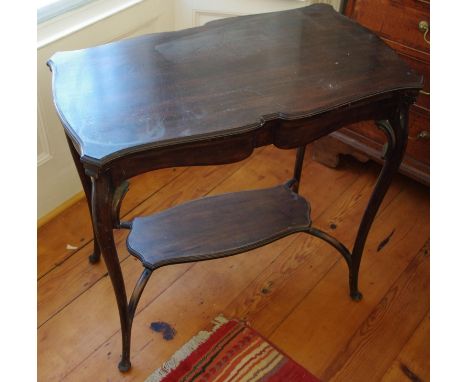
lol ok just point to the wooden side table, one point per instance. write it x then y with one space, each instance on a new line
211 95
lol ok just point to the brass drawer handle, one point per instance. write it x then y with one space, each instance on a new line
425 93
422 135
423 26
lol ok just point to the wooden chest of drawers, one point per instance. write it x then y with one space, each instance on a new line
402 25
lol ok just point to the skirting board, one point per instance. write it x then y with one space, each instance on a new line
62 207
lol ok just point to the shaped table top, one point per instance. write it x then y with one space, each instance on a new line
224 78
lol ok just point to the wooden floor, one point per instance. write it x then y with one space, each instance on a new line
293 291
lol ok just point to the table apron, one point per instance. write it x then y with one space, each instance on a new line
282 133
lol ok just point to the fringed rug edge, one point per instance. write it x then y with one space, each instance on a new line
188 348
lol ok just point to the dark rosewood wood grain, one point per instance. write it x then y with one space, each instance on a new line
285 134
225 78
211 95
218 226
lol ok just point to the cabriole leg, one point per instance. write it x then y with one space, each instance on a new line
396 131
87 187
102 196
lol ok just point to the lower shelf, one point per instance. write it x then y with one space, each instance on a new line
218 226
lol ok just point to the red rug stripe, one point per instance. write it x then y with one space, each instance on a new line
186 365
235 352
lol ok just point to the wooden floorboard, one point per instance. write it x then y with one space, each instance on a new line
80 276
72 229
412 363
400 311
293 291
319 328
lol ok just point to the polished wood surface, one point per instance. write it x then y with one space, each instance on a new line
218 226
229 77
291 291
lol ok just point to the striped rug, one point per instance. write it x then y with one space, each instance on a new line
230 352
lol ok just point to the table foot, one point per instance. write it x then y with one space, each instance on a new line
356 295
124 365
94 257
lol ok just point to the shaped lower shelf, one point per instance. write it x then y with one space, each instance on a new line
218 226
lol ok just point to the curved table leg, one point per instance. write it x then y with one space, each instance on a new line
102 197
396 131
333 242
87 187
137 291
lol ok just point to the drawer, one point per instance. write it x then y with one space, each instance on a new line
419 136
420 67
420 63
396 20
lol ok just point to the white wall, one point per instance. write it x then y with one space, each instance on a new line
57 177
56 174
189 13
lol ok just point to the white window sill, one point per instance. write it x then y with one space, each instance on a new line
71 22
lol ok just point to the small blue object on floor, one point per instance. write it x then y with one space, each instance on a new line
163 327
